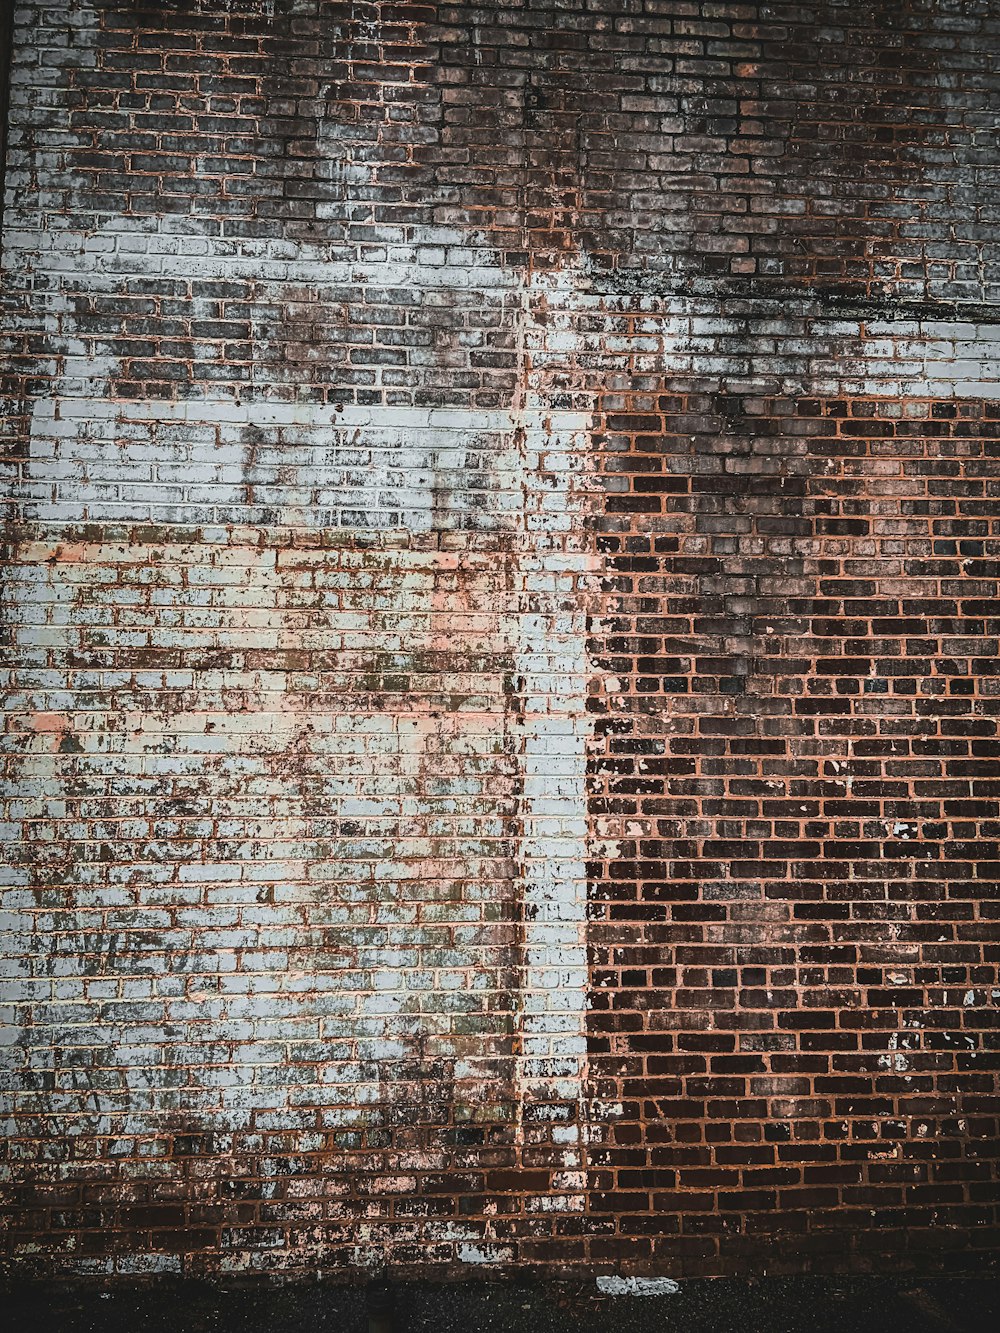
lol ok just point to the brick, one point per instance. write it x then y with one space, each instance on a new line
500 609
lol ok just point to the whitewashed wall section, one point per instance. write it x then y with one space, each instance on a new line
406 779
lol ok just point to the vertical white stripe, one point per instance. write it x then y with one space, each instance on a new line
552 668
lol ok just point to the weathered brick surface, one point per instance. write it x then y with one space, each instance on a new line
500 747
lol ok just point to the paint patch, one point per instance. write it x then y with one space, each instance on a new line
484 1254
637 1286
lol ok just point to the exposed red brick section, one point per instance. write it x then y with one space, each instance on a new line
795 945
501 616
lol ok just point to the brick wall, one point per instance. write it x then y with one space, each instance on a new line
500 749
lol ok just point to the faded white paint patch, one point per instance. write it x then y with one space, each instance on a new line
265 463
238 455
485 1255
553 670
242 453
941 358
637 1286
313 820
101 458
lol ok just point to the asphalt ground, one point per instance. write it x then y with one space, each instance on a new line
768 1305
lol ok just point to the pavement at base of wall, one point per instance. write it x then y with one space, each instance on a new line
766 1305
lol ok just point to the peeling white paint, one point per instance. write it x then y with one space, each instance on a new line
485 1255
261 462
212 460
553 668
637 1286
